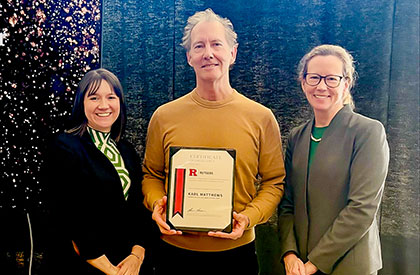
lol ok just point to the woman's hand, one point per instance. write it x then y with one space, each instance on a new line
240 223
132 263
159 216
293 265
103 264
310 268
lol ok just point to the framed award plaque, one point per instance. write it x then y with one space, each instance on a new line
200 189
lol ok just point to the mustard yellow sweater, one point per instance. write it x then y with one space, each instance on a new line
235 122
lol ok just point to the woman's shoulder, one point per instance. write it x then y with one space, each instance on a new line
64 146
66 137
67 141
298 130
362 123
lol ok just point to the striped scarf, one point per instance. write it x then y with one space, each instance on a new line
108 147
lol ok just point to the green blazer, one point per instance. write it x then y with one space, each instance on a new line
328 213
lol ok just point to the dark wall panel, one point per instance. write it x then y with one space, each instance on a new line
400 211
365 29
138 47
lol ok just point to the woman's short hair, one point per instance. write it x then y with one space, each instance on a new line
90 84
208 15
349 70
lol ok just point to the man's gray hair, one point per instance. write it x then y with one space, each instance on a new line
208 15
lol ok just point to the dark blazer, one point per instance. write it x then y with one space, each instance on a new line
328 213
88 205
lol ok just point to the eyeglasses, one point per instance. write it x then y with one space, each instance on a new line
332 81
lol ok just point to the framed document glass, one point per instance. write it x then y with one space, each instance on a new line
200 189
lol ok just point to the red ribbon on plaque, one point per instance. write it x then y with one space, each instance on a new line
179 191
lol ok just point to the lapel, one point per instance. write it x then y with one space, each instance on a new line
333 134
105 166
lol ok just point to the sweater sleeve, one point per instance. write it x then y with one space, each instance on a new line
367 177
271 172
153 185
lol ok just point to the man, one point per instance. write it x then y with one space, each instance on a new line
214 115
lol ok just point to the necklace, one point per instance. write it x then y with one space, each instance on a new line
315 139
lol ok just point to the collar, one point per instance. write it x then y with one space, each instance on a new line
212 104
98 137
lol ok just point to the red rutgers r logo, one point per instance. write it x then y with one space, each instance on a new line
193 172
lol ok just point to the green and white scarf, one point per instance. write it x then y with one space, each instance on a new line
107 146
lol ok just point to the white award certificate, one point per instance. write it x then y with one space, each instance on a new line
200 189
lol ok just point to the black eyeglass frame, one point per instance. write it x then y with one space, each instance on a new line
325 79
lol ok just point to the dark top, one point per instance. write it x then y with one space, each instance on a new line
88 205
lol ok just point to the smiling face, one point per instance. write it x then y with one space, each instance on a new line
210 54
323 99
102 108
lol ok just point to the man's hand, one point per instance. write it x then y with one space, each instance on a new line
240 223
159 216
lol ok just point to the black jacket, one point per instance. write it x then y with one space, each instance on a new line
88 205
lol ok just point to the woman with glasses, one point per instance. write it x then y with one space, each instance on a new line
336 165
